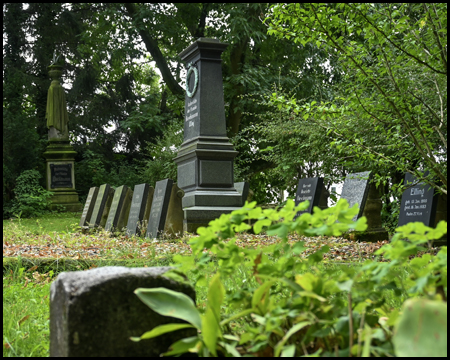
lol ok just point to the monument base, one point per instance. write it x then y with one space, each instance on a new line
65 201
370 235
197 216
60 158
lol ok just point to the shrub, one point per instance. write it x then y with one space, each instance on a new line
293 307
31 199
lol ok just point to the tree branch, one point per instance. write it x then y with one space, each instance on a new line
153 48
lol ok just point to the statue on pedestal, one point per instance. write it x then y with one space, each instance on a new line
56 112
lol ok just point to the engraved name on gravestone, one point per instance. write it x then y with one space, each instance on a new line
160 205
120 208
140 208
418 203
89 206
356 189
61 176
309 189
102 205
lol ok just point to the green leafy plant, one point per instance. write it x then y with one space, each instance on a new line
31 199
291 306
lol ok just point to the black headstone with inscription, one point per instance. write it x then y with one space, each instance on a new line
310 189
356 189
160 205
89 206
205 158
418 203
140 204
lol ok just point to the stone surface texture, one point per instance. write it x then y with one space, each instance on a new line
120 208
102 205
89 206
93 313
160 205
140 209
356 189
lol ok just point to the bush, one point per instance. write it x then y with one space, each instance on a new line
31 199
293 307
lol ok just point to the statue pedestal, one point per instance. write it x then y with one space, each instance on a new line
60 176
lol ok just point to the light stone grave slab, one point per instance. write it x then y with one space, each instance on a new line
120 208
101 207
89 206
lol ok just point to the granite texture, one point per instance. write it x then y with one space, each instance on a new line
140 208
311 189
102 205
355 190
160 205
120 208
89 206
93 313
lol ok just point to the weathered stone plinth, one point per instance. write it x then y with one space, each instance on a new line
205 159
60 176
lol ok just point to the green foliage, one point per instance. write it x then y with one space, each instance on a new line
158 163
31 199
291 307
390 109
422 329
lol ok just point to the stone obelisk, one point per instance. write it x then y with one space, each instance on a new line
205 158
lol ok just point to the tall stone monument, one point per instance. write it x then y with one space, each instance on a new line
59 155
205 158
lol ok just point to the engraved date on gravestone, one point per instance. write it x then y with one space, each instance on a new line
61 176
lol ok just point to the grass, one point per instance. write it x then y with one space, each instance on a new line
26 313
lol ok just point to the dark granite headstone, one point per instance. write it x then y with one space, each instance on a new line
160 205
313 190
61 176
243 188
89 206
205 158
140 209
356 189
95 312
418 203
120 208
101 207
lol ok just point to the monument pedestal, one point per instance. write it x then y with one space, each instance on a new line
205 159
60 176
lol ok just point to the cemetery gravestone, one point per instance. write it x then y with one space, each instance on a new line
205 159
89 206
242 188
160 205
175 214
95 312
421 203
120 208
357 190
140 208
418 203
313 190
101 207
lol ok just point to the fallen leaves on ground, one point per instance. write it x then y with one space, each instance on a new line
101 245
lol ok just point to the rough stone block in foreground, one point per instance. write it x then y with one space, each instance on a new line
94 313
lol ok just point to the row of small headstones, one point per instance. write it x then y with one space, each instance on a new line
158 209
419 202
